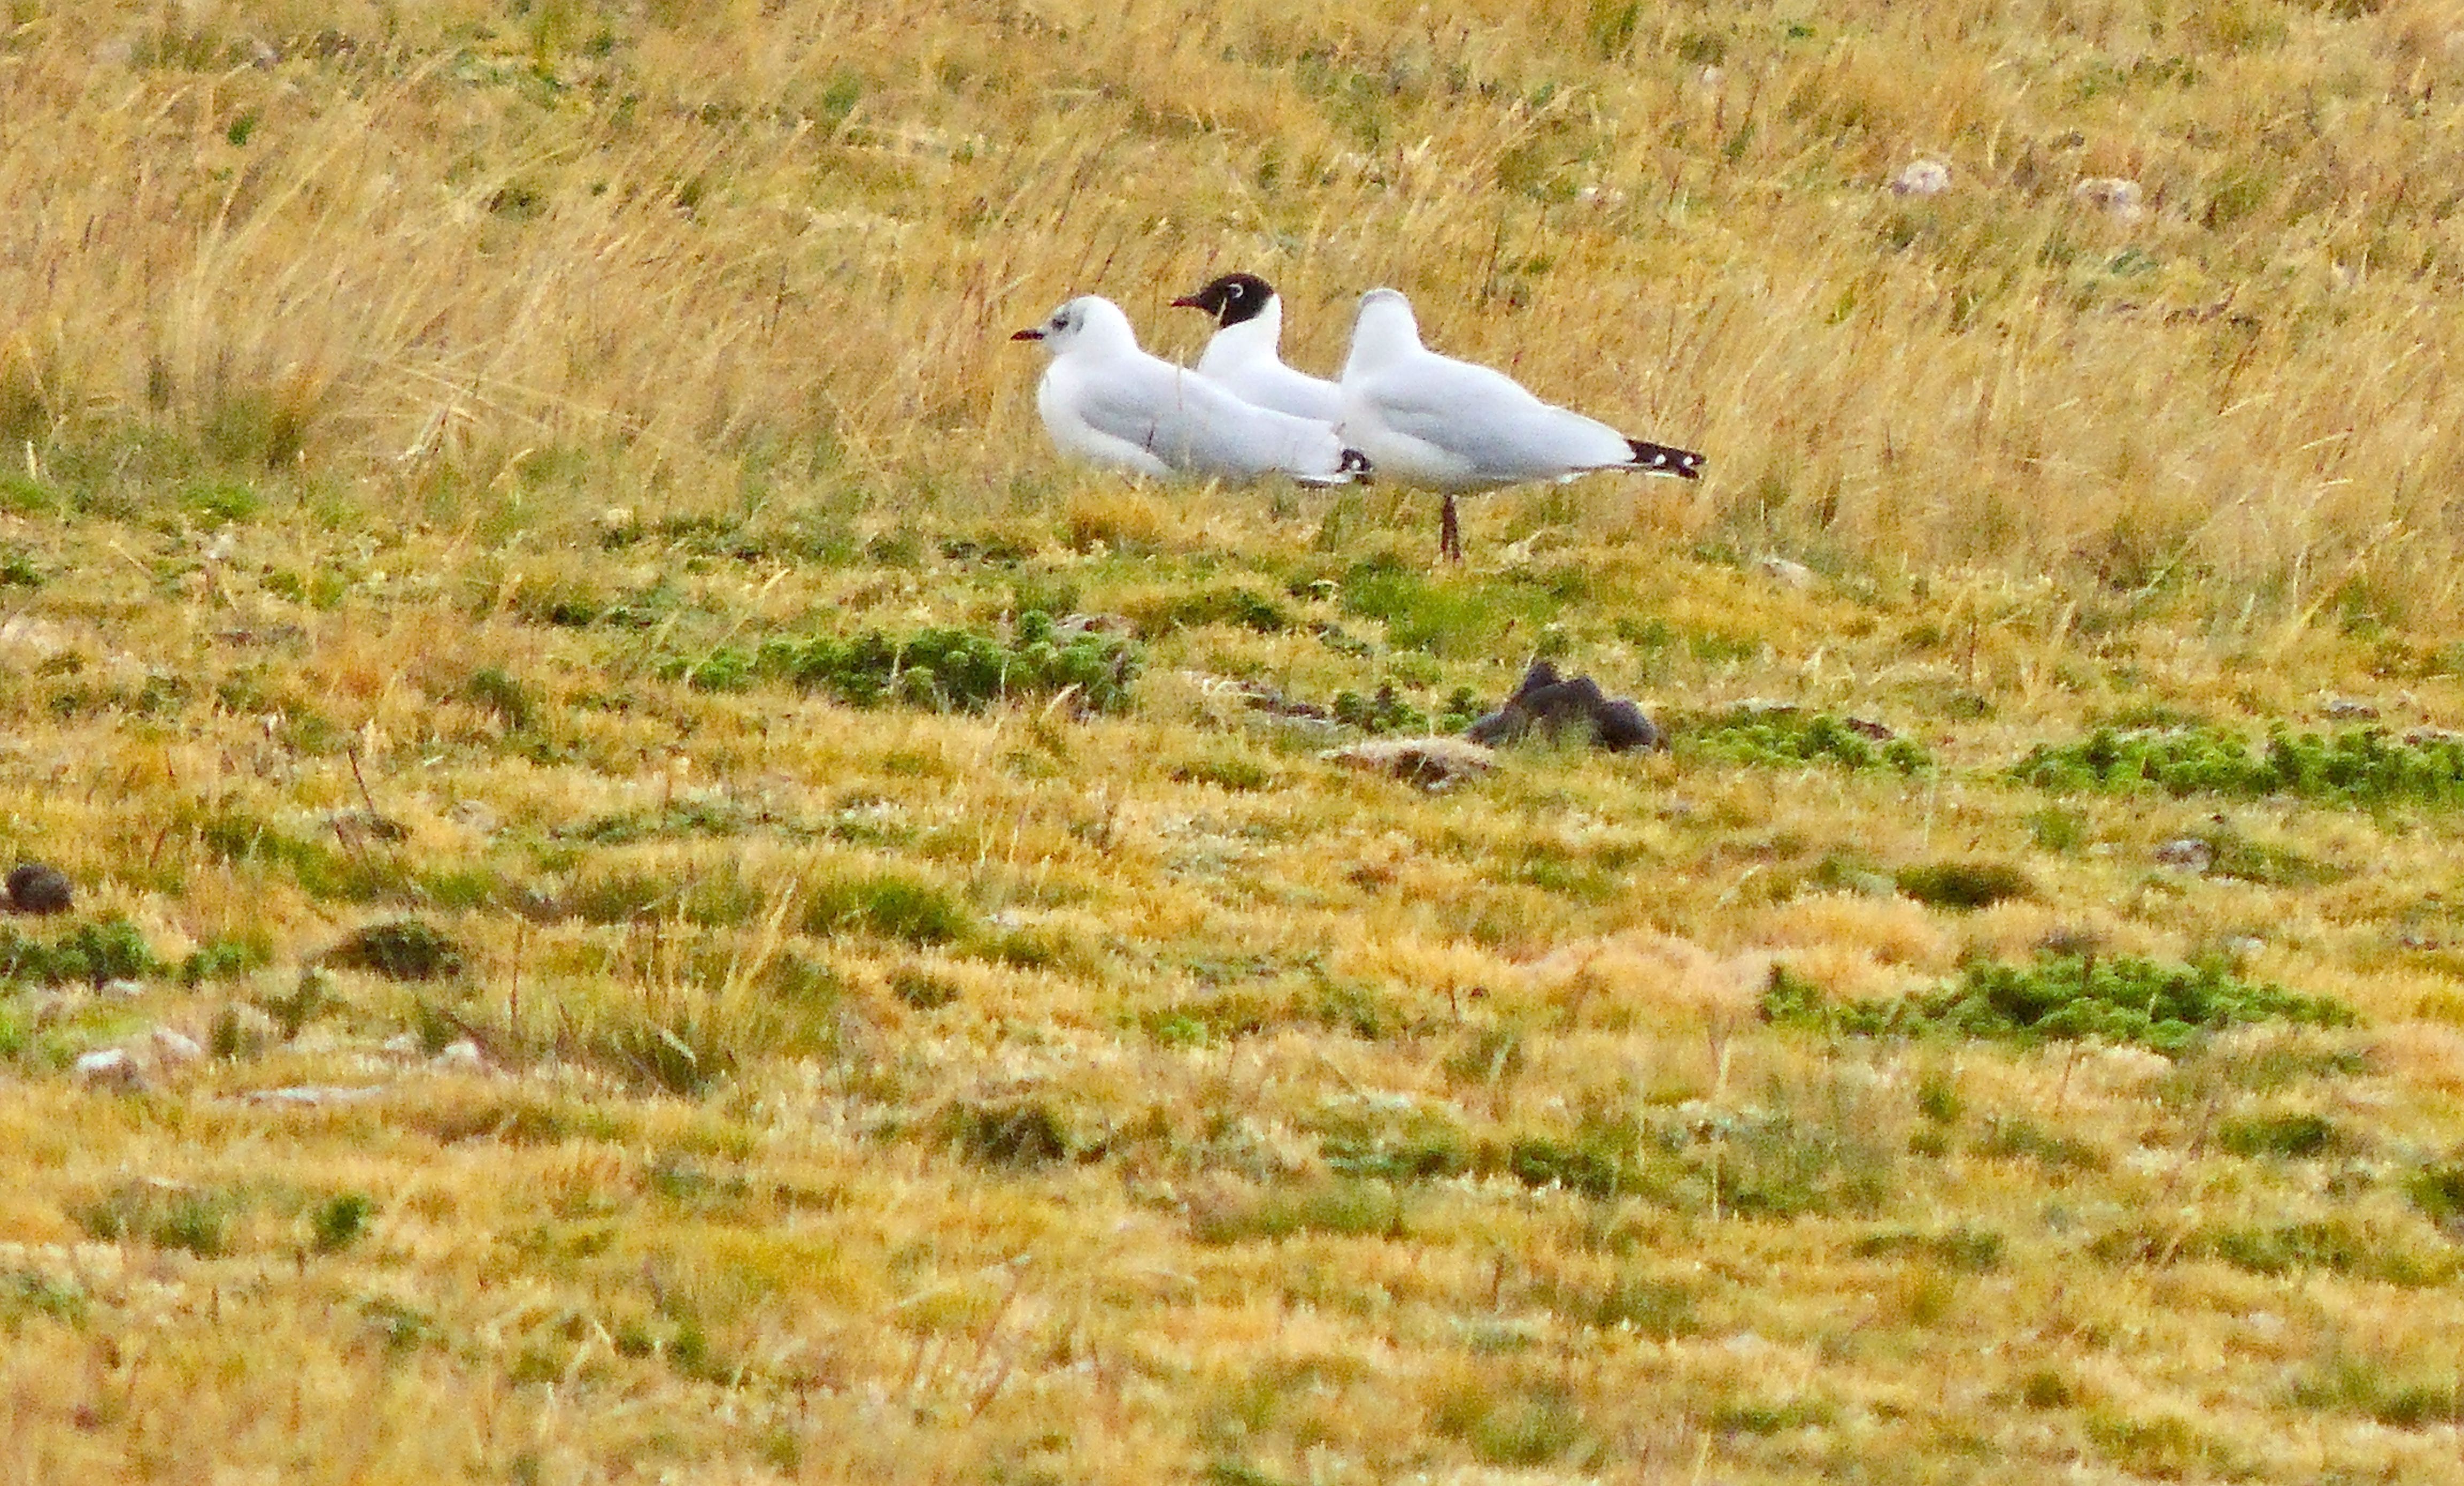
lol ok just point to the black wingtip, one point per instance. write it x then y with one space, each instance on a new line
1354 464
1662 459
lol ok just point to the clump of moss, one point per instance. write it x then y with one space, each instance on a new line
1022 1136
1385 712
1964 885
2121 999
399 949
1785 736
2357 766
950 669
90 952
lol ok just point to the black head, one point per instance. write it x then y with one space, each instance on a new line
1231 299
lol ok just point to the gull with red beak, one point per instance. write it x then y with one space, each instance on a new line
1245 352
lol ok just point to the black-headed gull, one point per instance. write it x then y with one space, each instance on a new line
1452 427
1245 352
1108 402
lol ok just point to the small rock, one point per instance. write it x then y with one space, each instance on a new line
1922 177
124 989
175 1049
39 887
2185 853
1867 728
315 1094
462 1054
2113 194
2345 708
1272 701
1787 572
1434 763
355 826
110 1068
1070 626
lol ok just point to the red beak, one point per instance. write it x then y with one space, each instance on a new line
1026 335
1187 303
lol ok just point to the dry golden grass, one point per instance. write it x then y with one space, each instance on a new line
431 413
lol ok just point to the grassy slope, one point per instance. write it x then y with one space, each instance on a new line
404 409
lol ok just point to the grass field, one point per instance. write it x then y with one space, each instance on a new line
686 902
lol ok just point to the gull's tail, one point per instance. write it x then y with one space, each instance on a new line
1661 459
1351 467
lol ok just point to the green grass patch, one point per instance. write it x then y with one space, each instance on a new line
1514 1430
166 1214
1390 1144
2332 1245
2401 1396
2120 999
1449 616
323 870
1660 1309
1239 608
1966 1250
27 1295
890 905
2024 1140
2293 1136
1771 1418
1761 1166
2360 766
1349 1206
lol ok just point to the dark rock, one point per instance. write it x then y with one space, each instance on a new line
1552 704
37 888
1621 725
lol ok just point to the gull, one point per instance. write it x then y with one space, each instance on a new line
1244 353
1107 403
1451 427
